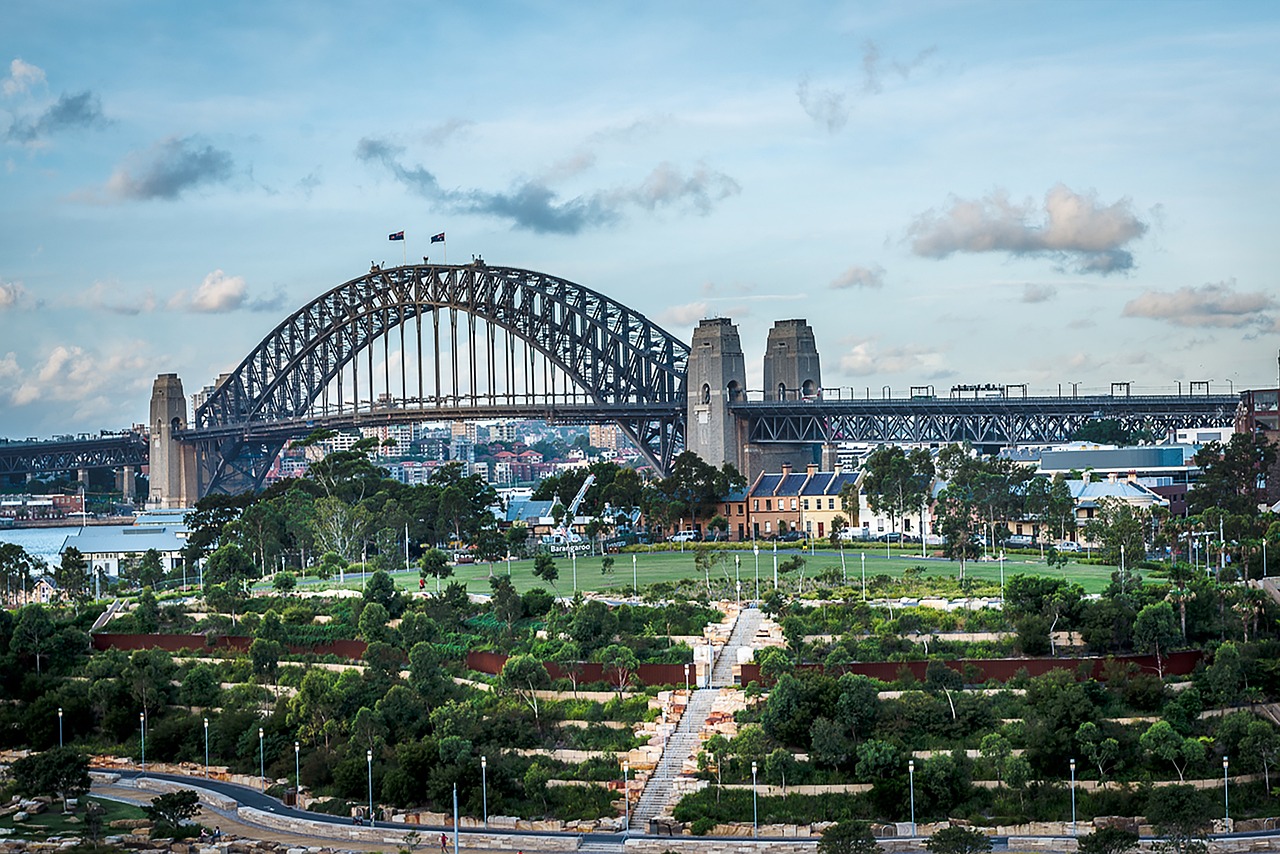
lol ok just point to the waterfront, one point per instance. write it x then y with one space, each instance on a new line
44 543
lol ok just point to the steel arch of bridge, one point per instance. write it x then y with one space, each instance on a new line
1000 421
629 370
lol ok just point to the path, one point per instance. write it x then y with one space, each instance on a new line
656 797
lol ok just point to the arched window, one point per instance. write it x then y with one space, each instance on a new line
734 390
782 391
810 388
706 393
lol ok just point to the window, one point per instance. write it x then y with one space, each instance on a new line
768 504
806 504
831 504
768 526
793 504
755 504
741 507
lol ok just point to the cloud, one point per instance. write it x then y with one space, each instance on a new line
1213 305
442 133
827 107
11 295
1033 292
865 359
22 76
860 277
70 374
831 107
685 315
105 297
1074 228
170 168
534 206
82 110
219 294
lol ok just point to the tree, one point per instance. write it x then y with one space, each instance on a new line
1155 630
61 772
829 745
524 676
373 623
895 482
380 588
1108 840
172 809
876 760
284 582
72 575
1230 474
1098 750
621 662
434 563
1183 815
1162 741
848 837
778 764
1261 743
200 687
230 567
265 657
957 840
33 635
544 567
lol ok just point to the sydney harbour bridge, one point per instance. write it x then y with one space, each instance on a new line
473 341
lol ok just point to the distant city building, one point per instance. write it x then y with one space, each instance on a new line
605 436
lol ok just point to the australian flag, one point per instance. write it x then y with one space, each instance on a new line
399 235
437 238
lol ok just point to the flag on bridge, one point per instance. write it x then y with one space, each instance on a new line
437 238
399 235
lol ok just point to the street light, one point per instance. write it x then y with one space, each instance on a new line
262 764
911 772
142 727
863 555
1073 797
737 576
635 580
775 564
626 797
206 748
687 676
484 786
297 772
1226 796
60 726
368 755
755 804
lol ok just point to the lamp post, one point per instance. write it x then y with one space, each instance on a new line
60 726
1073 797
737 576
687 676
1002 578
262 763
863 555
635 579
1122 564
1226 796
484 786
755 804
142 728
756 550
626 797
775 564
573 556
297 771
911 772
368 755
206 748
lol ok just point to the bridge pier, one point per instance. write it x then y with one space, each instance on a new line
125 477
82 477
717 376
173 481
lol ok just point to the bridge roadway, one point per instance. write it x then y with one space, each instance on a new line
110 451
315 826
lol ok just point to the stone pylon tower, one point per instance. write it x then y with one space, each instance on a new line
717 374
172 463
791 366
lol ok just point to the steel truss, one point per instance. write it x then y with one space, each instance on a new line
107 452
984 421
623 368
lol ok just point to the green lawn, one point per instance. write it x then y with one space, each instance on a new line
664 565
54 823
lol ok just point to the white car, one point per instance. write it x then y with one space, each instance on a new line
683 537
1069 546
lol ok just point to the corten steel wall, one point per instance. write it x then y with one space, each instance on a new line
590 671
351 649
1002 669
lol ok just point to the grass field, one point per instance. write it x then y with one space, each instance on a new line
663 565
54 823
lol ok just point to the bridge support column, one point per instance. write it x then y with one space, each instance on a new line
717 375
173 464
126 484
792 372
82 476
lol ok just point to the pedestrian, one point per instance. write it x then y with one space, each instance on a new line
444 843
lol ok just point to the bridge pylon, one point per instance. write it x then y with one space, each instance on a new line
717 376
173 472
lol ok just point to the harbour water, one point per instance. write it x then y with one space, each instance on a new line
44 543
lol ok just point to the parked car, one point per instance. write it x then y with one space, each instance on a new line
889 537
1069 546
689 536
791 537
1018 541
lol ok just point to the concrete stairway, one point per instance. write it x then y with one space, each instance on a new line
679 747
744 631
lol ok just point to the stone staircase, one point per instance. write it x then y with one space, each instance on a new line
744 631
679 747
593 844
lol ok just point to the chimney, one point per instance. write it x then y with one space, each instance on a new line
811 469
786 469
837 468
1111 477
1088 477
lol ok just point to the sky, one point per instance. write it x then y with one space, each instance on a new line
949 192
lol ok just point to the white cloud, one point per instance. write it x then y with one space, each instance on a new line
108 297
71 375
11 293
1216 304
858 276
1034 293
685 315
866 359
22 76
1074 228
217 293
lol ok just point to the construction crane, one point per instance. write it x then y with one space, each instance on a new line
565 535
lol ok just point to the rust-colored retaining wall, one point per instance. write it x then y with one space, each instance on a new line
350 649
590 671
1003 669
